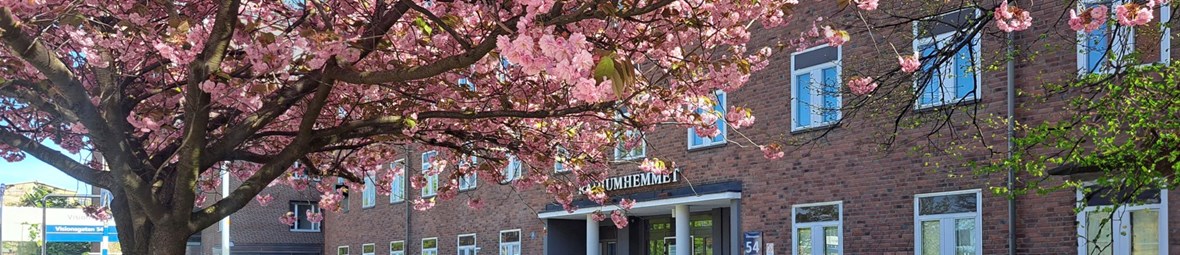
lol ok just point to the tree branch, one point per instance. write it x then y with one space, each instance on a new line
56 159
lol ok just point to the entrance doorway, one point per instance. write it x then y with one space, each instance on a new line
661 232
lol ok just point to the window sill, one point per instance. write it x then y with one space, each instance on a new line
466 190
397 202
368 207
935 107
821 126
304 231
707 146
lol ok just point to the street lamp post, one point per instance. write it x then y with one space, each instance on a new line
2 188
44 233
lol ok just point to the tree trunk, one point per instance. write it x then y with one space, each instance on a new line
138 235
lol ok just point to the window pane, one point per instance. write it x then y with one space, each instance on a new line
1098 229
964 71
510 236
466 240
803 100
964 237
817 213
429 243
804 240
368 248
397 246
831 92
960 203
930 90
931 235
831 240
1145 232
1097 44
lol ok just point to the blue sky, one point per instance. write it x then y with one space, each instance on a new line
32 169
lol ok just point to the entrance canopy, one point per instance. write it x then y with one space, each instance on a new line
697 198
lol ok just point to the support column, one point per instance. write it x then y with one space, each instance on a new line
591 235
735 226
683 240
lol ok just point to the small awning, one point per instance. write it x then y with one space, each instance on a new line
699 198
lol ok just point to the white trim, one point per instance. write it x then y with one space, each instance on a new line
977 215
346 249
943 38
795 226
422 246
519 243
811 70
655 203
1120 242
722 99
403 250
394 197
429 178
374 245
459 245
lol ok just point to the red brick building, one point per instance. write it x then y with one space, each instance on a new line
256 230
840 194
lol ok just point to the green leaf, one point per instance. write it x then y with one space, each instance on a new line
421 23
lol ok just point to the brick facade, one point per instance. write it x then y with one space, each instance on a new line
876 185
255 229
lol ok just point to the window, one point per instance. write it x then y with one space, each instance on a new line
1096 48
300 208
397 248
510 242
345 202
469 181
719 103
369 197
947 223
947 80
815 87
431 187
467 244
560 158
1142 228
631 147
467 83
342 250
368 249
818 228
514 170
430 246
397 189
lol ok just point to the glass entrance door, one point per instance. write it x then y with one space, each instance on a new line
662 234
609 247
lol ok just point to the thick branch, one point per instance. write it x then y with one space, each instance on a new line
56 159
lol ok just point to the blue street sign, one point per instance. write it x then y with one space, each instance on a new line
73 233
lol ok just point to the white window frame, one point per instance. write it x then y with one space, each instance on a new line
947 68
1120 243
431 188
622 154
342 250
816 71
722 100
474 247
397 252
519 243
302 214
560 158
514 169
398 184
1125 33
433 251
469 181
369 195
838 223
977 234
370 246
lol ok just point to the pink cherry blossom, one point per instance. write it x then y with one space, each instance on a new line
288 219
862 85
1133 14
835 37
655 166
867 5
1012 18
423 204
909 64
598 216
1088 20
263 200
597 194
626 204
101 213
739 117
772 151
619 218
314 217
1155 3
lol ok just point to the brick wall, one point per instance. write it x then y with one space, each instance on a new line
876 184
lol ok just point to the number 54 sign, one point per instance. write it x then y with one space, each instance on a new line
753 243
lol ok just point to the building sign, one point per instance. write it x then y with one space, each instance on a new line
74 233
752 243
635 181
